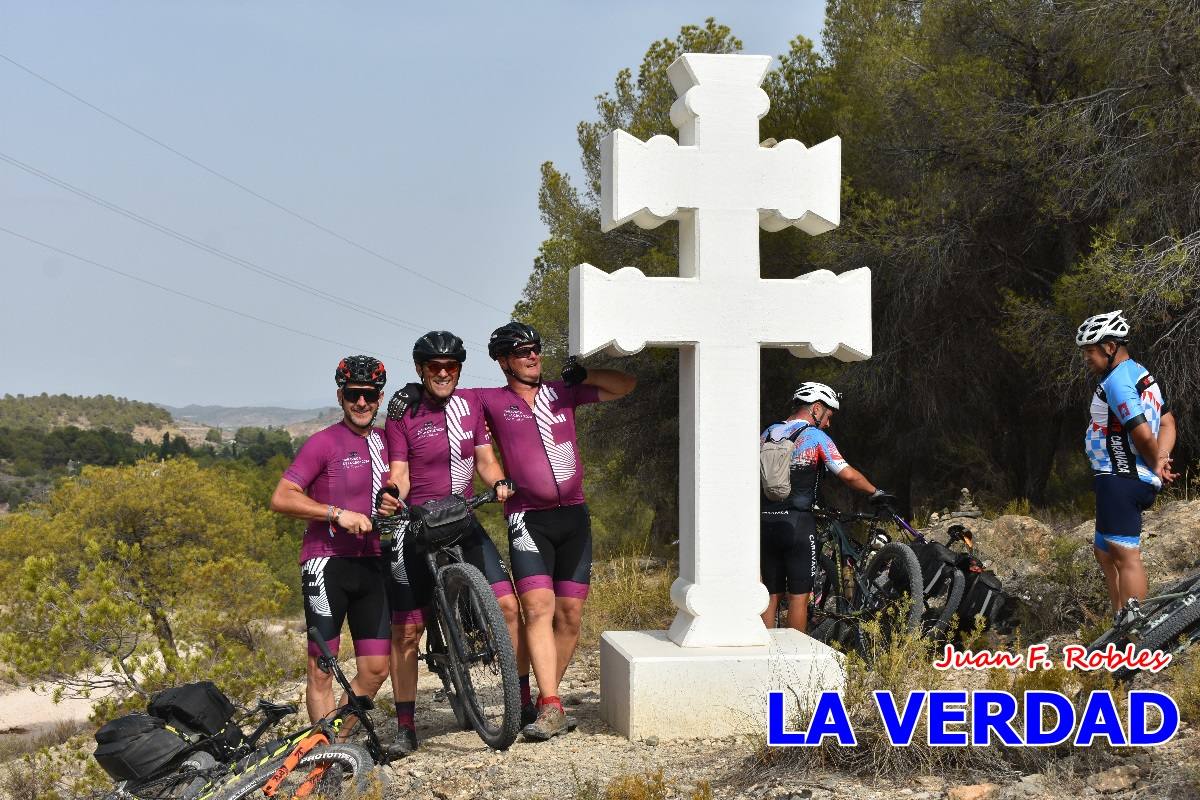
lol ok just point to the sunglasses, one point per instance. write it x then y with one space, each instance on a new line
526 352
436 367
354 395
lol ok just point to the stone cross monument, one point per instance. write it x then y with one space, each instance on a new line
722 186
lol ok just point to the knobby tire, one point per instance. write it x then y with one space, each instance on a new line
886 595
490 686
936 620
349 769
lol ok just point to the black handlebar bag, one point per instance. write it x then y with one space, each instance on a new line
137 747
440 523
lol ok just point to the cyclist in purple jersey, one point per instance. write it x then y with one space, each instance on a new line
437 440
549 531
1128 442
332 483
787 536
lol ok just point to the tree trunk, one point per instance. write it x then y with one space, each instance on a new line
162 630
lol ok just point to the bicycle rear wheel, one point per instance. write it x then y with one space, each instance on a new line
892 597
487 669
329 770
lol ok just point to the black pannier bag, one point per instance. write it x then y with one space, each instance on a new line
137 747
984 596
937 562
200 708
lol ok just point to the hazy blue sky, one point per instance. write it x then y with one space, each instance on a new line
414 130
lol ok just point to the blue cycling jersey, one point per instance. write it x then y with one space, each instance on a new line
1127 396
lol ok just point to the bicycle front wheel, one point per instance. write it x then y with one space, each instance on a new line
891 596
487 665
1166 630
329 770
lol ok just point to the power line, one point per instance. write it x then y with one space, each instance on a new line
209 303
193 298
248 190
236 260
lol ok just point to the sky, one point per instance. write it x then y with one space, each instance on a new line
394 149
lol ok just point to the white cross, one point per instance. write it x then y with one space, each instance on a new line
722 186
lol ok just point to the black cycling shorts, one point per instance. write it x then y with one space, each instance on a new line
410 588
1120 502
337 588
787 551
552 549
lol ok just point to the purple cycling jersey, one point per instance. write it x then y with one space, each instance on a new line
338 467
538 444
438 442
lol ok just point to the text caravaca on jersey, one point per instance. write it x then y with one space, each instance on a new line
980 718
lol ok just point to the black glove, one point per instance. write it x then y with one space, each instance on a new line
389 489
883 499
402 398
574 373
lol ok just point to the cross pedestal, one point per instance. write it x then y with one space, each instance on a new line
721 186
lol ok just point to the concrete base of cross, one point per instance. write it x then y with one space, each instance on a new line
650 686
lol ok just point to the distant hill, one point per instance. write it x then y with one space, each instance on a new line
233 417
49 411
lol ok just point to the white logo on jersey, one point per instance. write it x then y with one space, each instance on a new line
562 456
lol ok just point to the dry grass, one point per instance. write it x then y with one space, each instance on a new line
643 786
628 593
17 743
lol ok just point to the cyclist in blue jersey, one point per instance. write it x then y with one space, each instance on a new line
787 544
1128 441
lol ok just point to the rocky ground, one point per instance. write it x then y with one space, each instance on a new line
455 765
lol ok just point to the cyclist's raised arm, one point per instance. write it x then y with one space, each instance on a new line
613 384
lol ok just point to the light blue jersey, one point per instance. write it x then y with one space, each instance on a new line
1128 396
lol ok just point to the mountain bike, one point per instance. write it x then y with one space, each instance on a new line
1169 621
877 581
944 582
314 759
466 641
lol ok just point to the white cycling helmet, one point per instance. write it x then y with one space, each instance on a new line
811 391
1110 326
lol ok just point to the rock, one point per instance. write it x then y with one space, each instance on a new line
651 741
931 783
1115 779
974 791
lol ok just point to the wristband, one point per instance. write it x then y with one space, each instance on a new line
329 514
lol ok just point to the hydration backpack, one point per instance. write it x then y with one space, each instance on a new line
775 465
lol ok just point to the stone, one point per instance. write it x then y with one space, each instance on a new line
649 686
974 791
722 186
1115 779
651 741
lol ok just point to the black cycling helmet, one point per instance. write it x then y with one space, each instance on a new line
360 369
439 344
509 337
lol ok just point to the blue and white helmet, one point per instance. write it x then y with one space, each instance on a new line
810 392
1108 327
